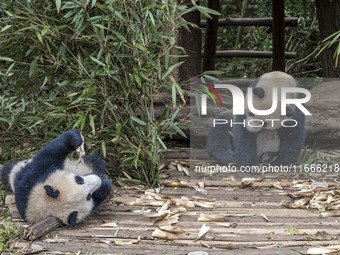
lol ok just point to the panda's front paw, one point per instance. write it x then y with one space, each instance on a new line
74 138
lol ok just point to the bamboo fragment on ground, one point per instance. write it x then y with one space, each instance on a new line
41 228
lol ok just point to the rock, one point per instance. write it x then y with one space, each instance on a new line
323 126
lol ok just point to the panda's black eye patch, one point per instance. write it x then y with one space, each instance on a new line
79 180
88 198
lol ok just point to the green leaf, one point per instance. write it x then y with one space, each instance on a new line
6 59
212 78
141 47
10 68
138 80
162 116
173 94
166 59
39 36
33 67
293 231
162 143
98 61
175 114
100 26
92 124
206 11
171 68
329 37
44 31
336 55
58 4
213 72
179 131
135 119
104 149
5 28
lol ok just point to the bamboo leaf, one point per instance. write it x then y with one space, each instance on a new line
44 31
100 26
6 28
58 5
6 59
141 47
135 119
98 61
33 67
162 143
92 124
171 68
104 149
39 36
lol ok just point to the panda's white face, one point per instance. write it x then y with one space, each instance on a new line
64 193
264 101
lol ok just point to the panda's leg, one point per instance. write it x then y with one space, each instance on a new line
97 164
219 141
291 141
244 142
56 151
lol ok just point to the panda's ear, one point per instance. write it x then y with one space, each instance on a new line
259 92
72 218
49 191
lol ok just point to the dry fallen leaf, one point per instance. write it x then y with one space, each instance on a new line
228 179
203 230
122 243
227 224
109 224
179 184
301 194
165 206
183 169
155 214
248 179
164 235
170 167
168 220
55 241
330 214
277 185
172 229
324 250
181 202
290 205
265 217
204 217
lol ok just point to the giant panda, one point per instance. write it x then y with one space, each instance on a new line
271 143
51 184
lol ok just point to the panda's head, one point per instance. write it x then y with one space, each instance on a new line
64 195
263 100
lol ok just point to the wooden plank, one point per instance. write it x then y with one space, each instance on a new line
289 22
252 235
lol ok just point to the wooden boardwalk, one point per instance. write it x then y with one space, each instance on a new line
260 224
